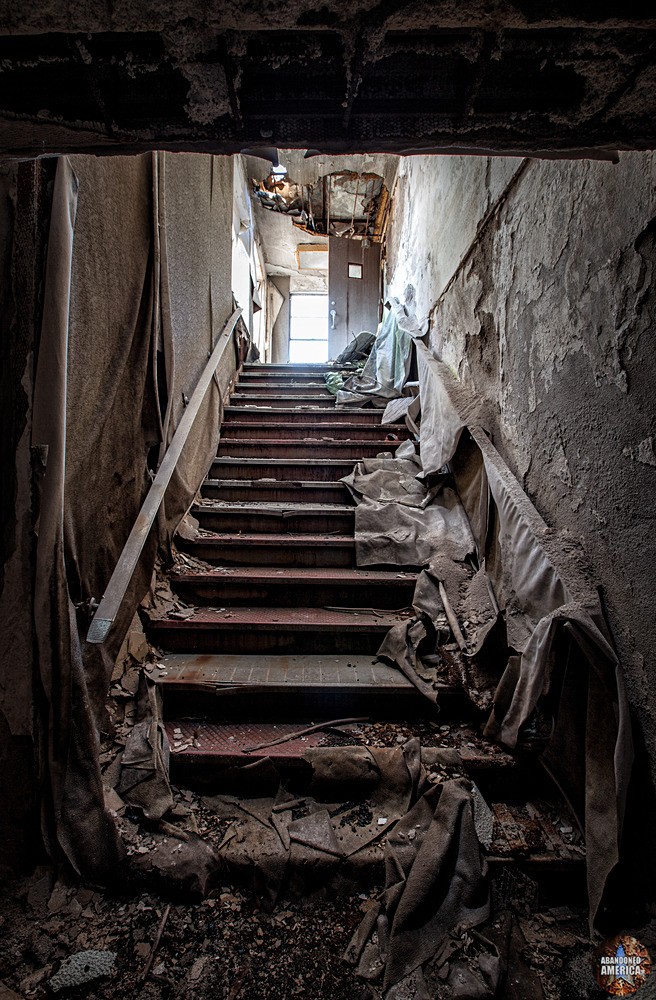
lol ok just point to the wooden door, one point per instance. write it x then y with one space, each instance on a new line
353 291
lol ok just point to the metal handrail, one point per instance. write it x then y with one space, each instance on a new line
110 604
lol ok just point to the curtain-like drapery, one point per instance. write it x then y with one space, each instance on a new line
137 289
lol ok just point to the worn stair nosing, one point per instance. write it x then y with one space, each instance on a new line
352 450
288 461
278 469
286 490
297 617
264 538
272 507
263 483
324 397
294 366
347 575
351 415
279 671
309 427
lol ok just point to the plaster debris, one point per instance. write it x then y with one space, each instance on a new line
84 967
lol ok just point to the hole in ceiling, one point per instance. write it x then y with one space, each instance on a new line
345 203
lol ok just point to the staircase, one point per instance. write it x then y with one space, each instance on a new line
282 628
284 619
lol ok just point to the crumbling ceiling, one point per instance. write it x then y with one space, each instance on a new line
361 76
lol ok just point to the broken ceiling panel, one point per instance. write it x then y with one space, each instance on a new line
344 203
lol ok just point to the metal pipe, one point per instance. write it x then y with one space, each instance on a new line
451 618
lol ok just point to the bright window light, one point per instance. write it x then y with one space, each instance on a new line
302 352
308 329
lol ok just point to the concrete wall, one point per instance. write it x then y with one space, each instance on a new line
546 307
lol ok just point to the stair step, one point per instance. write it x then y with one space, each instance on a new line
268 518
205 746
274 630
277 414
311 367
300 431
293 586
322 400
269 490
281 378
316 387
282 688
273 550
239 448
525 849
309 469
210 757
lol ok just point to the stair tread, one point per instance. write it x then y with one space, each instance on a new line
534 840
309 380
274 490
276 671
273 618
285 411
217 738
338 574
273 538
321 429
273 507
323 426
254 462
293 365
285 483
275 393
308 442
281 378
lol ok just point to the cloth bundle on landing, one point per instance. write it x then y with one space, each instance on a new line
387 368
435 875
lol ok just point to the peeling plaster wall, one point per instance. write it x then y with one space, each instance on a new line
551 319
437 206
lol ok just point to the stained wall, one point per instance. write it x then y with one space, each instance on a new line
538 279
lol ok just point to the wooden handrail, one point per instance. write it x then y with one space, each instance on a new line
110 604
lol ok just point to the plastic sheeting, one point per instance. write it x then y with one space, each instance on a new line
561 655
398 521
540 646
193 198
387 368
274 844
